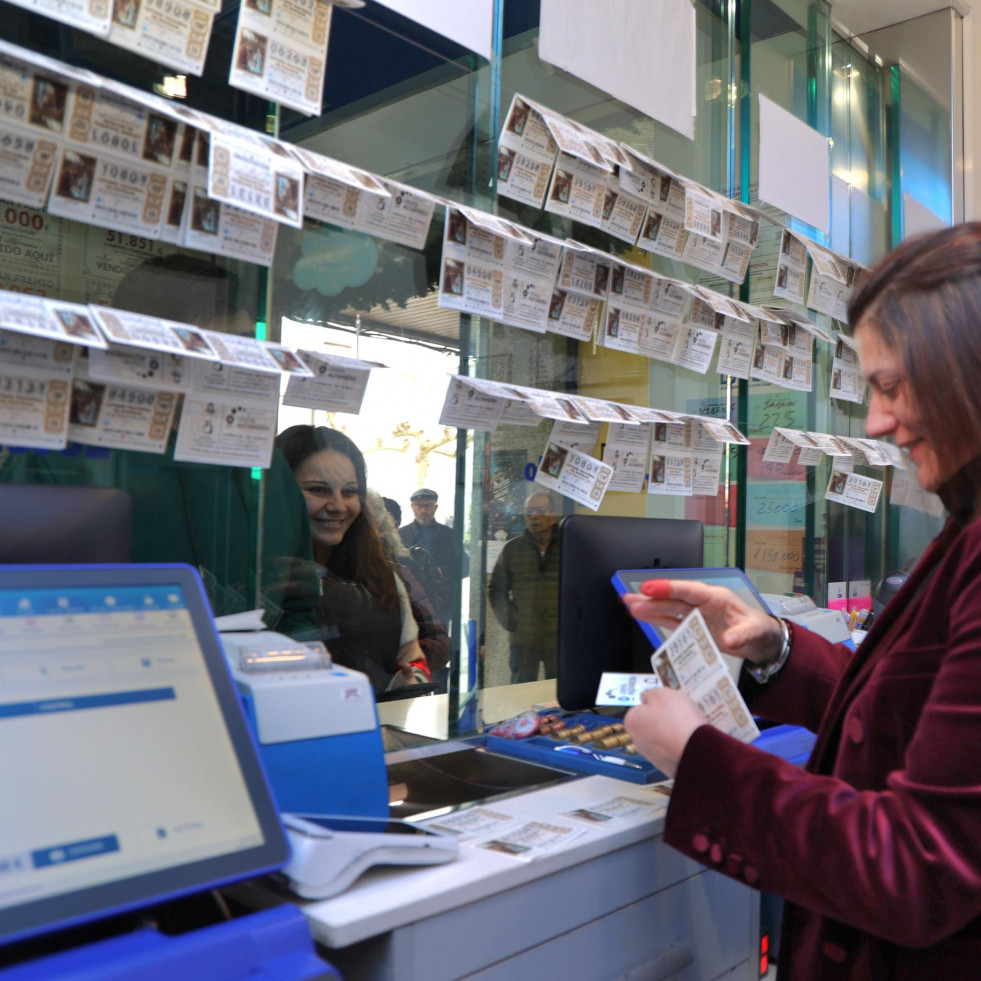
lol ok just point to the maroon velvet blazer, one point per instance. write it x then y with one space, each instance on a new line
877 844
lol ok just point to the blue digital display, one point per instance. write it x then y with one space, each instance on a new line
119 599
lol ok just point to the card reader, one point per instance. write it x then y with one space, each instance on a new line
330 852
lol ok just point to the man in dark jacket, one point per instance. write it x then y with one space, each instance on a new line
523 591
426 532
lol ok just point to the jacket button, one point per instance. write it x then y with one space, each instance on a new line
856 731
833 951
700 843
751 875
715 853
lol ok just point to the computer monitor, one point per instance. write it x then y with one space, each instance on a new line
631 580
128 775
596 633
53 523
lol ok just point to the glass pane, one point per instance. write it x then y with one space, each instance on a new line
517 591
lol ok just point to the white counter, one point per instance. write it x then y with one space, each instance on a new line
612 902
615 902
384 899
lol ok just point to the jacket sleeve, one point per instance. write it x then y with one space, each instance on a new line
499 592
801 690
433 639
901 860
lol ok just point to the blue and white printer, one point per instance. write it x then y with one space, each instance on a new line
315 722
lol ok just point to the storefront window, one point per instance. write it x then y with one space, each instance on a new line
409 106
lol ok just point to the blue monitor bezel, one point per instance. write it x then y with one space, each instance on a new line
135 892
625 581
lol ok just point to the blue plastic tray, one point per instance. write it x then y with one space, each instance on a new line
544 750
792 743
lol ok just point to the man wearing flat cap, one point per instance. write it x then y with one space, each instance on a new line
427 533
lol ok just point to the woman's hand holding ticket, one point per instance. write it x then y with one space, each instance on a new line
662 725
737 628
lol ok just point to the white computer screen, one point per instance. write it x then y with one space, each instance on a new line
116 760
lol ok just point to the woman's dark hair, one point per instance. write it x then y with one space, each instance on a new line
359 557
924 302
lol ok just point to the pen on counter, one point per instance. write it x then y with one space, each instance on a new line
602 757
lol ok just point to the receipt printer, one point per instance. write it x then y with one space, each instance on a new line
316 725
830 624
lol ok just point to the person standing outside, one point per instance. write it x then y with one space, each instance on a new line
523 591
424 531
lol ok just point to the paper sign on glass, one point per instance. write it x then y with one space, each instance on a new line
574 475
280 51
119 416
230 417
337 384
171 32
35 385
853 490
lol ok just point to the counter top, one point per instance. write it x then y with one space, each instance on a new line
384 899
427 715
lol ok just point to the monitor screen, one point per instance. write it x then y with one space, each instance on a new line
596 633
630 581
54 523
128 773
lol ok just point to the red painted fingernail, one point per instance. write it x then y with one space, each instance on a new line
656 588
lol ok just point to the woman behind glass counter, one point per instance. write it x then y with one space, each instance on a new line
363 612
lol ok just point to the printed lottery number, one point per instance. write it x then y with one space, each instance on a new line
131 396
22 386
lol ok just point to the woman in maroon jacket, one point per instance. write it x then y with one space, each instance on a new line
876 846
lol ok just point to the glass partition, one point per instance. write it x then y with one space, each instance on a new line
511 649
205 515
406 104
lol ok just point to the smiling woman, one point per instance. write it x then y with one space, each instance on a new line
916 322
363 614
875 844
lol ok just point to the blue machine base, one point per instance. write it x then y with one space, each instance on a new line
272 945
792 743
343 774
